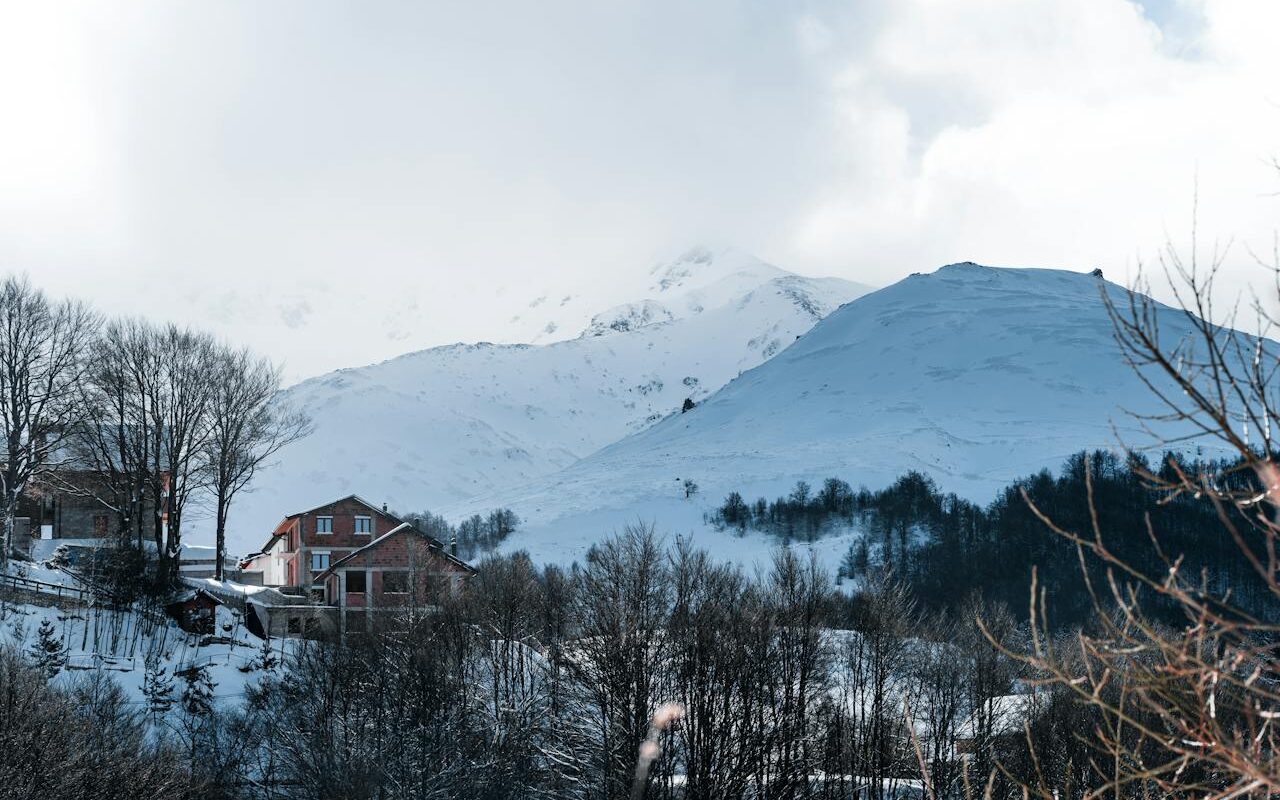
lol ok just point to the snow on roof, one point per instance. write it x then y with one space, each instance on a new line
189 595
227 589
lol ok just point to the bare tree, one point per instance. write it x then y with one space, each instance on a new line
247 426
117 441
1187 710
186 385
716 617
42 344
798 598
622 601
150 392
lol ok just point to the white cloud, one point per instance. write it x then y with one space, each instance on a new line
1078 141
338 182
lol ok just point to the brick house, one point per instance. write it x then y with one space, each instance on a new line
305 547
400 567
66 504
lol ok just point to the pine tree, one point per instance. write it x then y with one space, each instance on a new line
266 660
157 688
197 697
862 559
856 561
47 651
848 565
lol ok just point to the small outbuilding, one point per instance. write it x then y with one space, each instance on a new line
195 610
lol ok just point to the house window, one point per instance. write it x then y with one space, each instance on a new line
319 560
364 524
355 582
395 583
324 524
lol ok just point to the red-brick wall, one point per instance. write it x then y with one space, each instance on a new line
344 513
407 552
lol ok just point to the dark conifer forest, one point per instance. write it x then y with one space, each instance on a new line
946 548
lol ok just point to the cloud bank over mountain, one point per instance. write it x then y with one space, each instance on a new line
336 189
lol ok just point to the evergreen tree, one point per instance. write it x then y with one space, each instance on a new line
266 660
47 651
197 697
862 559
157 688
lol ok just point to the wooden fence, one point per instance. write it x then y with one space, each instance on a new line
58 590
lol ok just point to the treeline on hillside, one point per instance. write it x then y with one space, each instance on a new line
803 514
945 547
475 535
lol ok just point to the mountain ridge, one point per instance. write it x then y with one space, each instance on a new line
435 426
974 375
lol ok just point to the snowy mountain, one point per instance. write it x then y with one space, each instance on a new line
437 426
976 376
675 288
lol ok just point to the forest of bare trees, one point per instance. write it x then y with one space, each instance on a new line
543 682
147 419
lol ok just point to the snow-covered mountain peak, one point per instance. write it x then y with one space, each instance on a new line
698 279
974 375
965 266
1012 277
439 425
700 268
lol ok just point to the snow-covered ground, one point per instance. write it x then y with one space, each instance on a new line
434 427
976 376
120 643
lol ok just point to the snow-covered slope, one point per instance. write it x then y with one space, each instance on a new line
440 425
974 375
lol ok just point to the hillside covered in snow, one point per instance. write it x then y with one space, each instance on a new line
973 375
438 426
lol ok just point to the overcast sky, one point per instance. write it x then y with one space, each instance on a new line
337 183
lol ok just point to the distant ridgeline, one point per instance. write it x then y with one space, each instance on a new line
947 548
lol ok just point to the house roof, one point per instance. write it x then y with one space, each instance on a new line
403 527
282 525
189 595
355 497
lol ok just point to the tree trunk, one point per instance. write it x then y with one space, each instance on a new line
10 522
220 542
